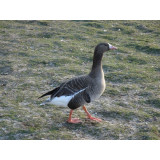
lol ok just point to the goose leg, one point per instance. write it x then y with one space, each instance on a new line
89 115
72 120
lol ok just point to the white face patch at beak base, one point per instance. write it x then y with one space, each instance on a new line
111 47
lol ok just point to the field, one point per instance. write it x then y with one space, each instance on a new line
36 56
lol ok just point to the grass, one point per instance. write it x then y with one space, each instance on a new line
36 56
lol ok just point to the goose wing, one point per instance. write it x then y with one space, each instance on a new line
68 88
72 87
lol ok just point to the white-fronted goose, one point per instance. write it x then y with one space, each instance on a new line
84 89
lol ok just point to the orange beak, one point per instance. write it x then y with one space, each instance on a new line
112 47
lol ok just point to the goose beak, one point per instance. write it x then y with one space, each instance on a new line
112 47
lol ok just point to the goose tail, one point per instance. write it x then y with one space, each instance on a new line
54 91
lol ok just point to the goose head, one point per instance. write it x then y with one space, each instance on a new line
103 47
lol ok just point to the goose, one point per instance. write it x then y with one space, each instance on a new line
79 91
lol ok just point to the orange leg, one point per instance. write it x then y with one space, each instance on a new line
89 116
72 120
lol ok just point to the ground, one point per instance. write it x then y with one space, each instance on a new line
36 56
